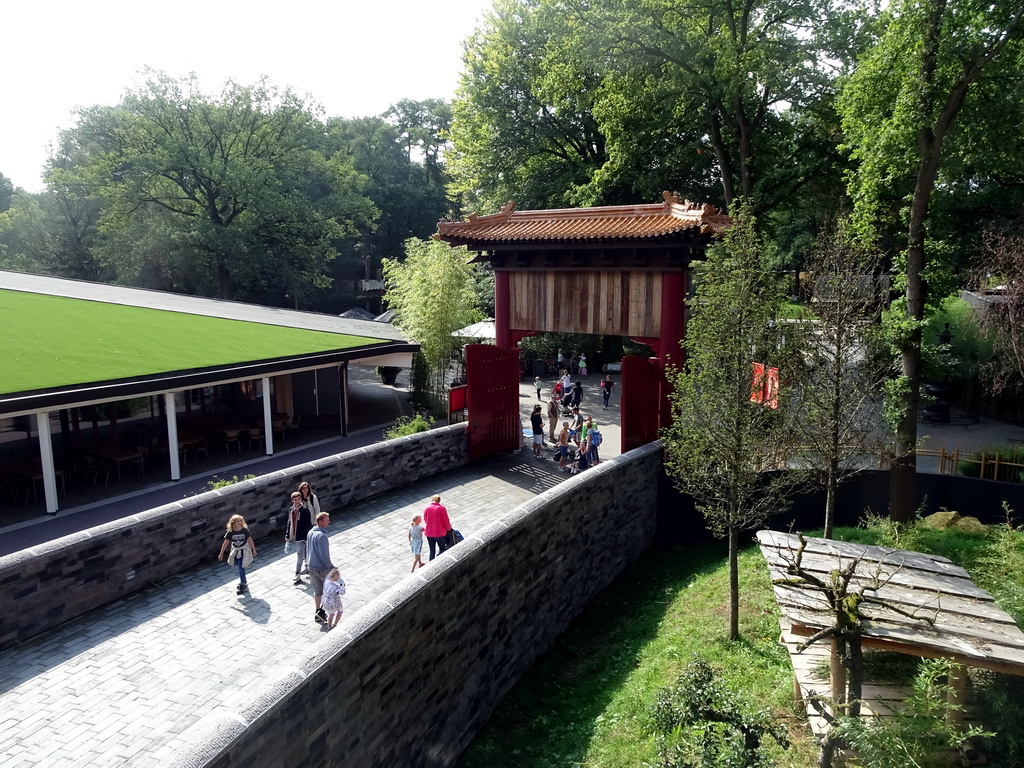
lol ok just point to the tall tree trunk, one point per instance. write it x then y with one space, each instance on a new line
224 282
831 484
734 583
903 474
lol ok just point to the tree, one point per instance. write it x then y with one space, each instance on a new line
408 191
432 293
741 81
522 124
1002 265
723 442
23 235
6 193
936 68
241 179
837 400
423 127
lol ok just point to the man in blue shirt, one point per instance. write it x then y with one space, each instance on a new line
318 557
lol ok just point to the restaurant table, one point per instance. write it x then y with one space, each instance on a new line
119 456
31 470
231 433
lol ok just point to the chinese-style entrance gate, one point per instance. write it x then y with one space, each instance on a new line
615 270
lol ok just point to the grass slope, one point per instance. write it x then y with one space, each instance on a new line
586 702
50 341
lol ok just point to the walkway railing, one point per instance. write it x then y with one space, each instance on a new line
991 465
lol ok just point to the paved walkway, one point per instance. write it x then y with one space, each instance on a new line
120 685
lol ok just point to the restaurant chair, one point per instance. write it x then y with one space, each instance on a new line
232 437
255 435
11 484
202 447
141 461
96 467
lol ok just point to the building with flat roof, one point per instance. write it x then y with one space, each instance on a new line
76 353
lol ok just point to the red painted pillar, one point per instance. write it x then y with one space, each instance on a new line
673 309
502 313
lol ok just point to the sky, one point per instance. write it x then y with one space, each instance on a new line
353 57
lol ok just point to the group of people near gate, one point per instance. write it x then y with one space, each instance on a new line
306 531
579 437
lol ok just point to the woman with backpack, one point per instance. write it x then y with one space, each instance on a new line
593 439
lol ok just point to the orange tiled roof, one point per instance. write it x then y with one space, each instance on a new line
613 222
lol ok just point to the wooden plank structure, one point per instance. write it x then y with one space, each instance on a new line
964 623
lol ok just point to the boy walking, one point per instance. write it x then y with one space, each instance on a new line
300 522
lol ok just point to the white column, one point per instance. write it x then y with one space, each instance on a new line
343 394
46 459
268 416
172 435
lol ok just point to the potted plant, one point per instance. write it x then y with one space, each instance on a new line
388 373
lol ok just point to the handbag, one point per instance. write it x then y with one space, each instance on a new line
449 538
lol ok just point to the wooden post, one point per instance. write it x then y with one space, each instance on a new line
837 679
502 310
956 696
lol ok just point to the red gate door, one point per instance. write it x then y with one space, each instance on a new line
642 383
492 378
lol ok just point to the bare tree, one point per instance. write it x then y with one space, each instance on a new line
838 399
847 602
1002 267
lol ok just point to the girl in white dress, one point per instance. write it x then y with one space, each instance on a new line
334 588
416 542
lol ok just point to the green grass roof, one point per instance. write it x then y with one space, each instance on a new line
50 341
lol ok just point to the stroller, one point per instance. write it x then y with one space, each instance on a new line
557 392
576 461
572 399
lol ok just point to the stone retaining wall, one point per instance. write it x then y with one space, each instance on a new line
410 678
97 566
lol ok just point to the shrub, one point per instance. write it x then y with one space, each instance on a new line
700 722
1002 566
891 533
223 482
916 735
406 425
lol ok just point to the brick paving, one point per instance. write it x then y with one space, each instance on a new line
119 685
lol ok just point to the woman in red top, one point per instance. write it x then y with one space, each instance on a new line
435 518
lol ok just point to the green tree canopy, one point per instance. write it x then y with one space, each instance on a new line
522 124
239 183
6 193
941 76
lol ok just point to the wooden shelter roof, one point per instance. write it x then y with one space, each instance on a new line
965 622
659 221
